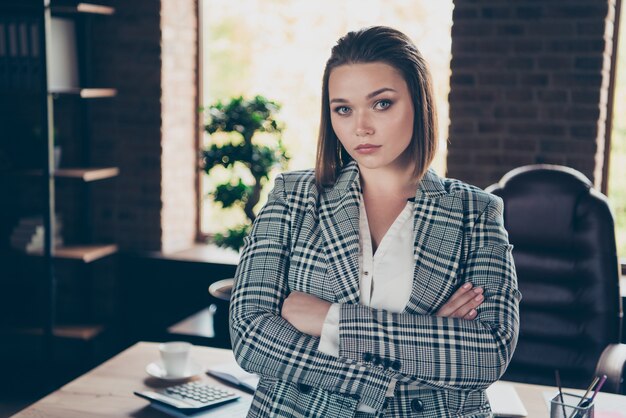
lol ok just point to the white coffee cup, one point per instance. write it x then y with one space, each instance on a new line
175 356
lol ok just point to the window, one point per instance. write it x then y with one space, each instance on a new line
617 166
278 48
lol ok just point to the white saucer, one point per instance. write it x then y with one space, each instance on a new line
157 370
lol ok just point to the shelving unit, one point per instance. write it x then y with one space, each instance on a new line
27 37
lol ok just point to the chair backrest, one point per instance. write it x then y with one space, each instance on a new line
567 267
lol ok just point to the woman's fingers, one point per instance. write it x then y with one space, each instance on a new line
460 292
474 299
458 299
454 302
462 303
471 314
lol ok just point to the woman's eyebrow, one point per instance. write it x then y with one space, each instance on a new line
369 96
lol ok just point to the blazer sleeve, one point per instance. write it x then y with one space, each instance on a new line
265 343
447 353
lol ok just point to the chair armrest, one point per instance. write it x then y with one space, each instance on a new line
611 363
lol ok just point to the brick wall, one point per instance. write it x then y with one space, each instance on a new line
529 85
179 82
147 51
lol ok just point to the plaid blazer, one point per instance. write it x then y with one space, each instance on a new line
308 241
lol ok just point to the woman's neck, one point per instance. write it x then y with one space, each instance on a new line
390 183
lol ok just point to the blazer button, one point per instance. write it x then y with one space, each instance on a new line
367 357
395 365
417 405
386 363
304 388
376 360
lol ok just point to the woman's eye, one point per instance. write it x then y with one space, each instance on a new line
342 110
382 104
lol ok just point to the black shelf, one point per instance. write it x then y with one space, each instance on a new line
34 37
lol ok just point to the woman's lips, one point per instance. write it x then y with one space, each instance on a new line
367 148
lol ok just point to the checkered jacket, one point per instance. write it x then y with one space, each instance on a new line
308 241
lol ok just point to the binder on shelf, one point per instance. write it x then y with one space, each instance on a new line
19 54
28 234
63 72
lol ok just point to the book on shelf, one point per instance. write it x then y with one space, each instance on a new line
35 245
26 234
36 220
63 72
29 234
20 54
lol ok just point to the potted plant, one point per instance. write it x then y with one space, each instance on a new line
245 117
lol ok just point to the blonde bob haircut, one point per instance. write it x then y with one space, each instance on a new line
392 47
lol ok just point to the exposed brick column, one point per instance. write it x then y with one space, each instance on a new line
529 85
179 80
147 50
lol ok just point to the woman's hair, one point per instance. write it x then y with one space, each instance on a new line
392 47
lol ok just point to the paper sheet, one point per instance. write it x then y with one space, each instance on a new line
504 400
237 409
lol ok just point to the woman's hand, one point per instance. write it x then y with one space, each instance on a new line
305 312
463 303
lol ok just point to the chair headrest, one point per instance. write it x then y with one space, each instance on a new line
542 203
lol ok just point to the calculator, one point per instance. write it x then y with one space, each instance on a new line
191 396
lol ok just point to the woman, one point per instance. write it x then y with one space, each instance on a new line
360 287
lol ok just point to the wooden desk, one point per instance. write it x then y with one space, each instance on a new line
107 390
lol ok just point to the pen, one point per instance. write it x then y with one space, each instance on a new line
593 383
558 384
595 392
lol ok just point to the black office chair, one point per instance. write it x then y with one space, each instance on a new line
567 269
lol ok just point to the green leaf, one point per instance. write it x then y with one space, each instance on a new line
228 194
233 238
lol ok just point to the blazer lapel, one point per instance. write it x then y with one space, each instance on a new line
339 218
437 227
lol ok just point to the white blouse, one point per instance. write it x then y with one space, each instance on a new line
386 277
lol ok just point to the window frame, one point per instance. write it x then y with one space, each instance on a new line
609 113
201 237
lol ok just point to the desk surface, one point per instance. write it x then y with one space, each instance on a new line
108 389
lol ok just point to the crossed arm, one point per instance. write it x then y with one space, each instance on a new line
308 312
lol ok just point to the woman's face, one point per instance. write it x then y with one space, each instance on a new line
372 114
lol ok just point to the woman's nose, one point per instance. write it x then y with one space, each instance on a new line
363 126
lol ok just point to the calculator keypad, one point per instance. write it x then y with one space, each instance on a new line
199 392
